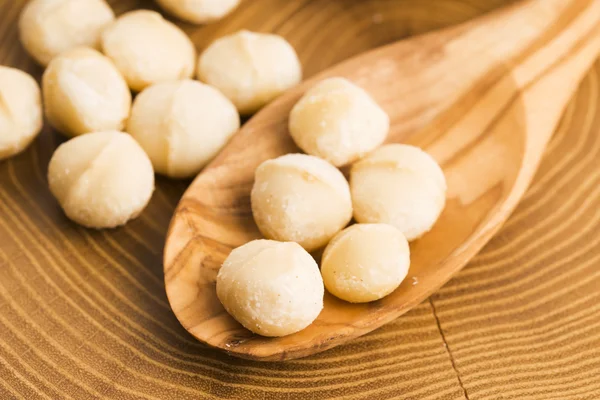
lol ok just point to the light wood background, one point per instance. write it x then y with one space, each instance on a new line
83 314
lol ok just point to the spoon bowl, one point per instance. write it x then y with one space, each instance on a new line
483 98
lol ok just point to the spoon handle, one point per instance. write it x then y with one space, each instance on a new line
556 44
528 82
548 77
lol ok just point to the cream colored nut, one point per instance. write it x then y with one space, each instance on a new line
300 198
250 68
148 49
84 92
182 125
50 27
101 179
365 262
20 111
199 11
338 121
399 185
272 288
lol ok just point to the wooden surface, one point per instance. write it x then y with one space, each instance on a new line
84 314
486 124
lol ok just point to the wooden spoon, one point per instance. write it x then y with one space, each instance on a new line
483 98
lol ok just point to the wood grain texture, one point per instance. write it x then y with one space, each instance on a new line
84 315
486 123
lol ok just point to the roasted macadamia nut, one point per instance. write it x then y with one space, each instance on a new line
251 69
400 185
84 92
101 179
182 125
50 27
271 288
338 121
20 111
199 11
300 198
148 49
365 262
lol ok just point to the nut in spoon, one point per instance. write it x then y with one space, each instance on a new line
483 98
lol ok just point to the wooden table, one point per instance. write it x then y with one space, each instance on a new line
83 314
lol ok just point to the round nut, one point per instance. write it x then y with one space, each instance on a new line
300 198
101 179
182 125
199 11
84 92
399 185
338 121
271 288
251 69
20 111
365 262
148 49
51 27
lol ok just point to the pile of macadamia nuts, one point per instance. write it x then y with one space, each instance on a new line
303 203
103 176
122 90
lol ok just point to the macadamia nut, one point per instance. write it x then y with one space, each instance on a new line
271 288
365 262
84 92
148 49
399 185
251 69
300 198
20 111
182 125
50 27
101 179
199 11
338 121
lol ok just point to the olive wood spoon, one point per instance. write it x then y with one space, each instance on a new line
483 98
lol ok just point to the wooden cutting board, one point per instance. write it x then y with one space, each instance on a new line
83 314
